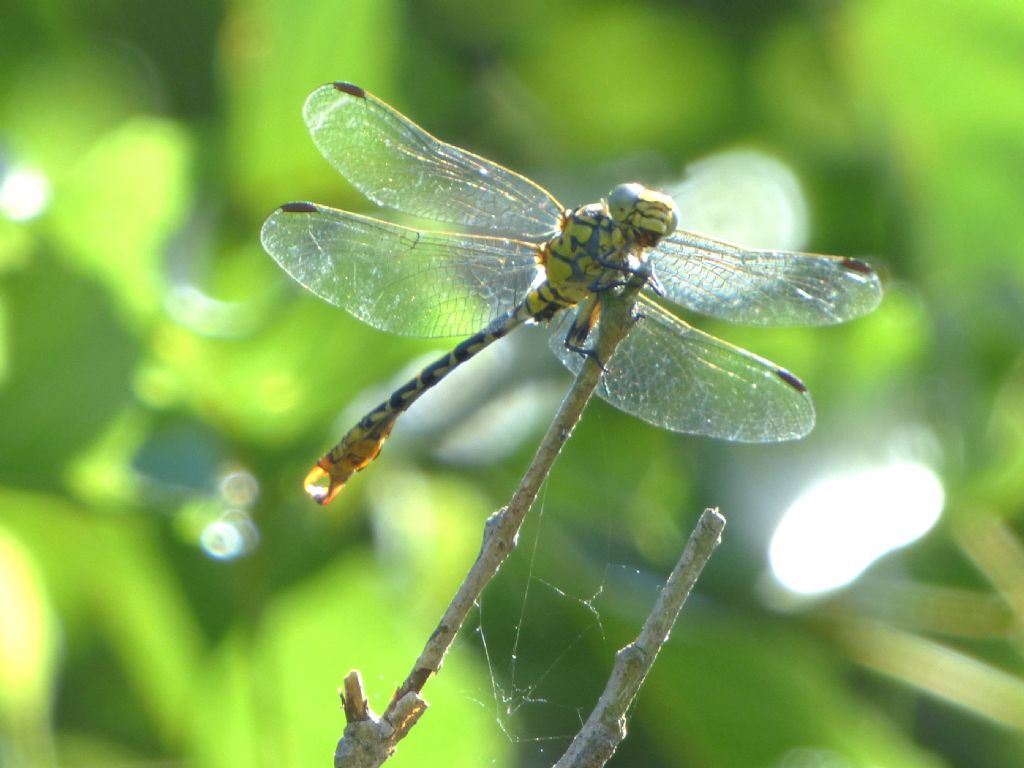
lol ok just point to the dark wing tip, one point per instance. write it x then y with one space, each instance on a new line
856 265
790 379
350 89
299 208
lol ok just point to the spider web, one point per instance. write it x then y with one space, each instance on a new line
545 644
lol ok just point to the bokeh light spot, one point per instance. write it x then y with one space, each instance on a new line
746 197
229 537
834 531
239 488
24 194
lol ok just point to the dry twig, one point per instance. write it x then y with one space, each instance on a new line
605 729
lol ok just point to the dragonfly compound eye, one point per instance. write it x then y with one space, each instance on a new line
622 201
648 214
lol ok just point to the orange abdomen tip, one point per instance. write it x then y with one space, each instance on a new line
322 486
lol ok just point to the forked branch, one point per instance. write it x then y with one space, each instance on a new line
369 739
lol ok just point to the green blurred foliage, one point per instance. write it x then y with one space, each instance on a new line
163 388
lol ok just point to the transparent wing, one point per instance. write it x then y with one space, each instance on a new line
398 279
398 165
674 376
763 287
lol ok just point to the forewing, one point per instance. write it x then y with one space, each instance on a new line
674 376
399 279
397 164
763 287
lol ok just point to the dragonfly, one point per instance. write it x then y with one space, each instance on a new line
517 256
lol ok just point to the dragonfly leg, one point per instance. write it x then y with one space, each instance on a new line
600 287
601 283
586 318
609 262
641 275
589 352
655 284
629 272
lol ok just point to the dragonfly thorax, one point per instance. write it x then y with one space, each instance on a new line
645 215
600 243
590 250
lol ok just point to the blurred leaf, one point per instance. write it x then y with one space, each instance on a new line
62 387
796 88
28 651
4 343
296 373
938 670
101 475
16 245
110 576
275 687
274 58
938 75
427 533
65 99
1002 482
673 86
115 213
728 694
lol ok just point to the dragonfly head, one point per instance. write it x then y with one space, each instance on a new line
646 215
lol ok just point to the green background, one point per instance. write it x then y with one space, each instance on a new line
158 373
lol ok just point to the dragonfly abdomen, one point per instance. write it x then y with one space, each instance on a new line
432 374
364 441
